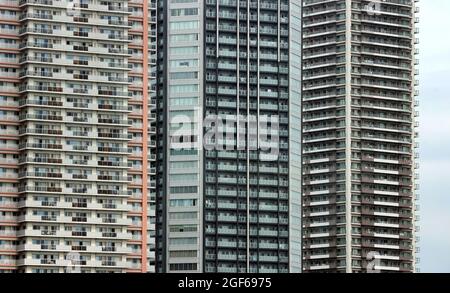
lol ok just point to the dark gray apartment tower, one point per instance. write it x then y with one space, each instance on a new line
229 188
359 139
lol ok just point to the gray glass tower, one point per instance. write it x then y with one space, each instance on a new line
227 206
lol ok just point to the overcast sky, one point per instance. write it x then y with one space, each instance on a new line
434 135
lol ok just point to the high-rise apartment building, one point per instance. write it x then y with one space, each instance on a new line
142 159
76 165
359 135
226 207
261 136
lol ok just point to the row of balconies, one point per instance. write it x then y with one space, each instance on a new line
386 148
383 84
324 168
253 232
119 107
88 163
386 180
8 176
66 133
386 41
386 31
272 68
390 212
9 117
391 235
283 157
386 169
393 9
398 160
92 48
91 33
384 137
89 220
232 15
79 148
395 245
101 190
260 181
65 176
264 93
255 258
93 62
73 234
252 5
387 20
310 10
236 206
252 245
94 5
233 41
260 169
387 222
67 263
57 88
262 106
281 195
76 76
267 55
31 203
321 20
263 30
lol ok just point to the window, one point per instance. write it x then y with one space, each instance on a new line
183 228
184 152
183 267
179 117
184 50
184 165
184 25
184 177
191 101
183 1
184 11
184 75
184 38
183 241
183 253
183 202
184 63
183 189
184 88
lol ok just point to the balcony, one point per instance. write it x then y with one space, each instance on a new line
41 189
41 117
112 178
40 103
112 164
40 131
40 174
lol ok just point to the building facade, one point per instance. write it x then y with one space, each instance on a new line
142 159
232 136
359 140
76 165
225 200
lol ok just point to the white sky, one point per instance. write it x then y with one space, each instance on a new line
434 135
